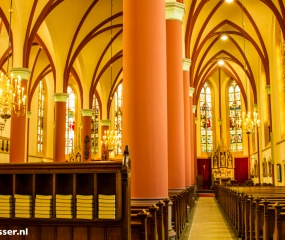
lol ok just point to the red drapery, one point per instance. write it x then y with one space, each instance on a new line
204 169
241 170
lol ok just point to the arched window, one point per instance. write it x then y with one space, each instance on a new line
206 119
118 116
94 125
70 121
234 117
41 106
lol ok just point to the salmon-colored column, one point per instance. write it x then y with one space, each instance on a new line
86 134
144 97
59 126
18 132
188 147
175 99
193 145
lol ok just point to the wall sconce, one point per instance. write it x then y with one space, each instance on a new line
194 107
268 89
220 121
191 91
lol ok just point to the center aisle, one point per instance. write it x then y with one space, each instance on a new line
208 222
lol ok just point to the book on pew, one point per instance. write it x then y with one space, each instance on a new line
64 208
107 212
62 215
67 197
107 208
23 215
23 200
5 215
78 196
44 197
48 211
38 215
106 216
40 200
21 196
64 204
23 204
5 207
84 216
23 208
79 200
5 198
79 208
107 197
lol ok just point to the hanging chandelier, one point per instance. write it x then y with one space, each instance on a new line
12 96
248 122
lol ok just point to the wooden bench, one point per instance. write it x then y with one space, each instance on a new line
254 211
155 222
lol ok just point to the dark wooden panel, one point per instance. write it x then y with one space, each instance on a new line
97 233
113 233
47 233
63 233
16 237
80 233
3 227
34 233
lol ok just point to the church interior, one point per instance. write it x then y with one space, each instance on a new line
194 88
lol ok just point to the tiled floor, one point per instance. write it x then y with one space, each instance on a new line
207 221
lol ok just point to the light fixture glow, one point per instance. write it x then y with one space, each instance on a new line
229 1
224 37
221 62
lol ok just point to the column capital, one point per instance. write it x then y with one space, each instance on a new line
105 122
186 64
255 107
191 91
29 113
86 112
268 89
60 97
24 73
174 11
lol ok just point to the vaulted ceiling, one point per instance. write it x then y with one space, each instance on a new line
82 40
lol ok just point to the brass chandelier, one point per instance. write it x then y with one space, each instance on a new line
12 94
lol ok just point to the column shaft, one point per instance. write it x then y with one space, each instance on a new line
18 143
188 165
175 106
144 96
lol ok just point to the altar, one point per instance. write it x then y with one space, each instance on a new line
222 163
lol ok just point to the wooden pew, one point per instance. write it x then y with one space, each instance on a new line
152 222
252 211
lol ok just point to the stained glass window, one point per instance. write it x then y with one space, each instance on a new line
70 121
41 105
118 116
235 117
206 119
94 125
